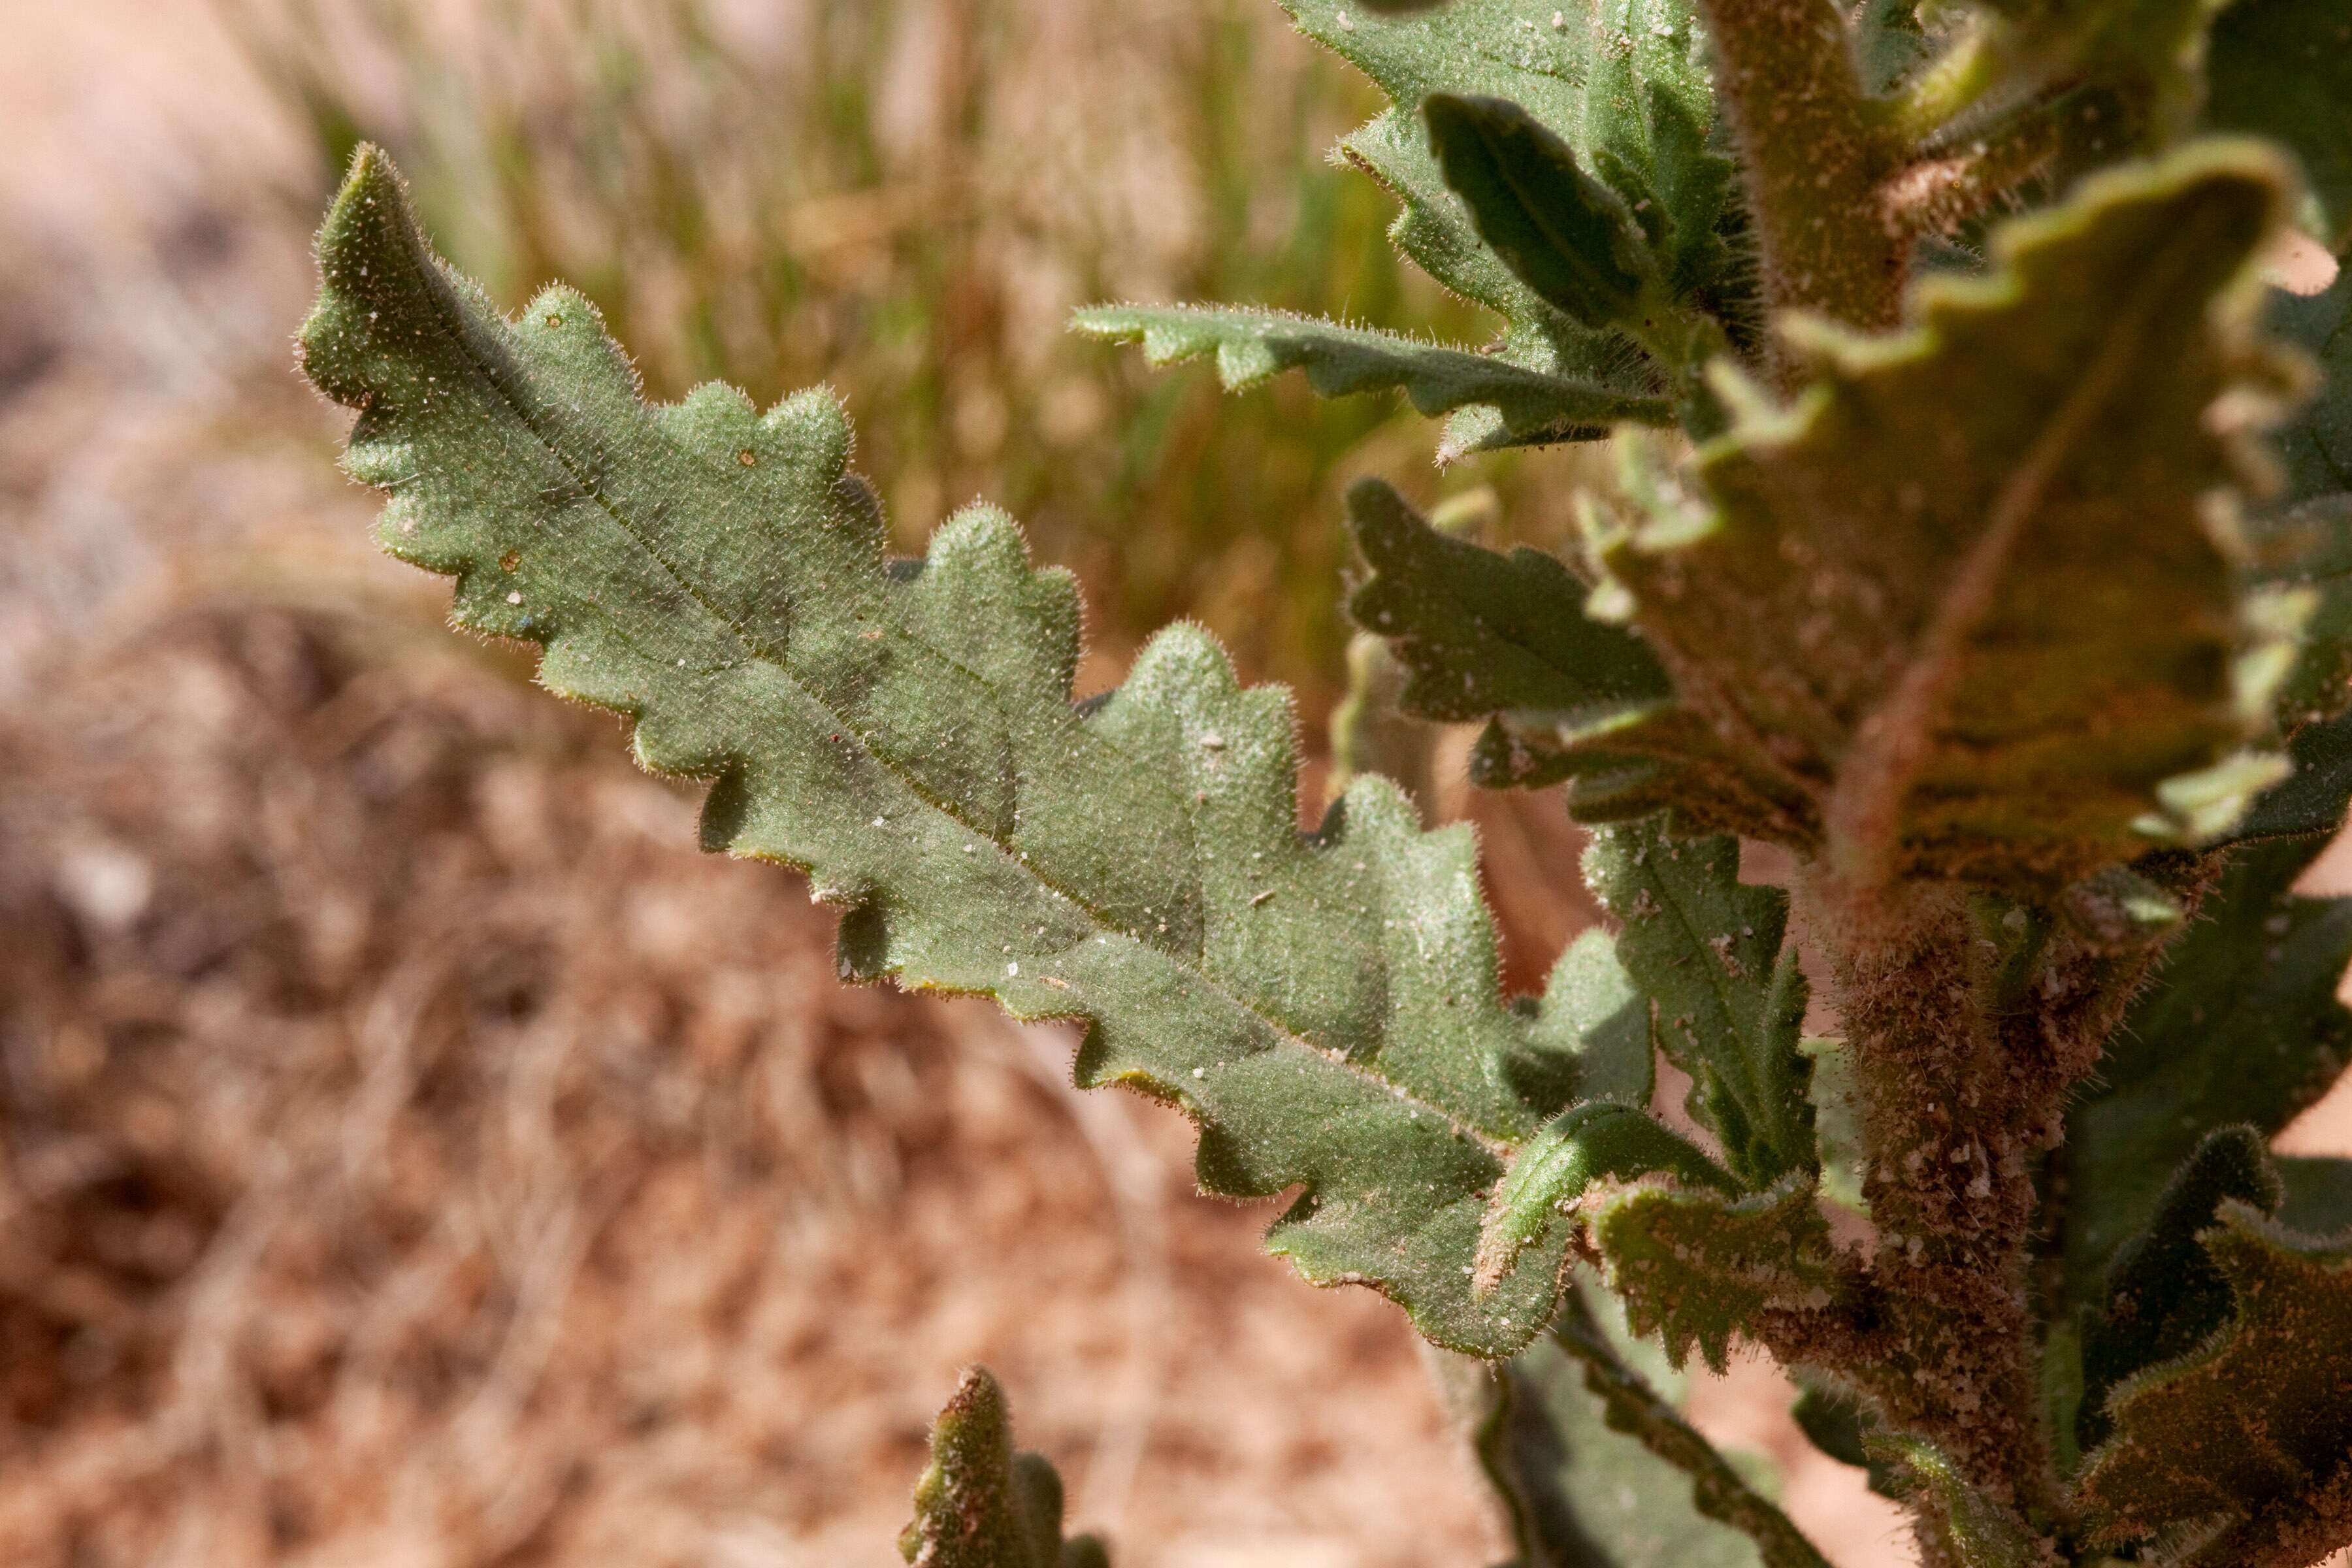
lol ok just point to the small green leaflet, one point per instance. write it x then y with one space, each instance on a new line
1908 578
1619 82
980 1504
2165 1296
2242 1025
1252 345
1695 1267
1567 236
1573 698
1324 1007
1480 632
1983 1533
1579 244
2254 1429
1577 1489
1593 1014
1579 1146
1730 999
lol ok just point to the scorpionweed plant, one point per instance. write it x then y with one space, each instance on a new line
1984 544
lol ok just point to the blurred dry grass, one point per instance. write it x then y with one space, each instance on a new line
410 1150
906 198
412 1153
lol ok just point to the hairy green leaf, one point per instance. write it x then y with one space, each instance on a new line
2242 1025
1595 1021
1324 1007
1567 236
1573 698
1982 1533
2255 1428
1481 632
2165 1296
2282 68
1695 1267
1888 42
1633 1407
1578 1489
1581 1145
1908 580
1252 345
2310 802
1730 999
1619 82
980 1504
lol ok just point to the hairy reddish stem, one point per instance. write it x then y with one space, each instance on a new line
1815 147
1963 1087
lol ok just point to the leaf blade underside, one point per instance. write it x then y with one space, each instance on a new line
1325 1007
1927 655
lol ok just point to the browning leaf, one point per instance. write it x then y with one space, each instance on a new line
1908 581
1696 1267
2256 1427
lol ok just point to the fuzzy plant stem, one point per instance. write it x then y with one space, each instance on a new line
1965 1055
1815 147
